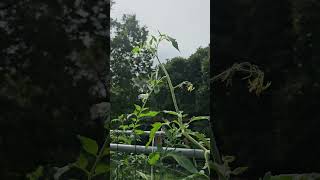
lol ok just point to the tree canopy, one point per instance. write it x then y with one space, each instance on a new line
126 67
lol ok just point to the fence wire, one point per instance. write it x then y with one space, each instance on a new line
130 159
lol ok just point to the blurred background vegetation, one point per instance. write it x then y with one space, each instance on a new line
277 131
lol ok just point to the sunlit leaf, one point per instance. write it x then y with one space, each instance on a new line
138 108
136 50
138 132
149 114
124 127
153 158
136 126
155 127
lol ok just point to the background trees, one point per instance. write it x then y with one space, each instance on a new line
125 67
196 70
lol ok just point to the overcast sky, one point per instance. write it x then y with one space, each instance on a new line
188 21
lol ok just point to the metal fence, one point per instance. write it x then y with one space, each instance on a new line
119 152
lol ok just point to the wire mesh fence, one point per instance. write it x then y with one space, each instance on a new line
132 159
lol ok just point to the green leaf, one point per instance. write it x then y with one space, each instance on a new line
155 127
174 42
101 168
153 39
196 175
124 127
106 151
124 139
183 161
156 89
106 125
136 50
171 112
62 170
228 159
138 108
115 120
81 162
35 175
144 176
149 114
138 132
89 145
143 109
219 169
153 158
142 96
202 137
239 170
198 118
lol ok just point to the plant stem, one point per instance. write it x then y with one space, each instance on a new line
173 96
194 141
98 158
176 105
177 110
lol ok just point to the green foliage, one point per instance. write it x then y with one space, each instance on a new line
81 162
183 161
194 93
126 67
101 168
125 166
35 175
153 158
89 163
155 127
311 176
175 128
173 42
144 176
89 145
